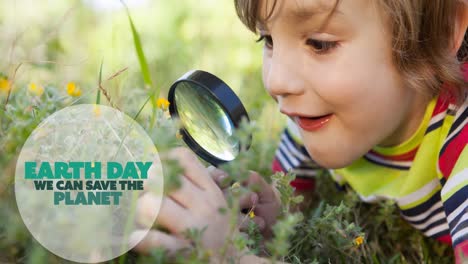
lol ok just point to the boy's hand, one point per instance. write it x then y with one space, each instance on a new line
195 204
264 199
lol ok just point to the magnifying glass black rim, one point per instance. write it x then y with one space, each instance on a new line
232 106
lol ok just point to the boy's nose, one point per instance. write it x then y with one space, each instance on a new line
282 76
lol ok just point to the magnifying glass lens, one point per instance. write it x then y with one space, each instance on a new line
206 121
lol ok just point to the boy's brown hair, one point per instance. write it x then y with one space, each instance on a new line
422 32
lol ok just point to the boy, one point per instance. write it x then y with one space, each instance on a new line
374 91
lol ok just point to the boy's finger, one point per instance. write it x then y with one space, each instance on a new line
244 221
157 239
248 200
218 176
193 169
171 215
254 179
266 193
146 209
188 195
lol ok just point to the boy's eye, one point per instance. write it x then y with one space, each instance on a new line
267 39
320 46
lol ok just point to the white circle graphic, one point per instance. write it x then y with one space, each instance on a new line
78 178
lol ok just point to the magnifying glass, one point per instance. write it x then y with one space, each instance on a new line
209 112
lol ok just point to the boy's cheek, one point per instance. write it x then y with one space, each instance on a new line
343 86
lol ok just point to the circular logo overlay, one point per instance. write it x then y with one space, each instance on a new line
78 179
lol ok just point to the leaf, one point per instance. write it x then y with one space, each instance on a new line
141 55
98 96
143 106
297 199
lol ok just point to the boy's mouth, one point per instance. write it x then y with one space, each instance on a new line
308 123
312 123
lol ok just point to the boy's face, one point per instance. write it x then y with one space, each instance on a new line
337 80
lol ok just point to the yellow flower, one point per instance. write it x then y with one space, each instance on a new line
5 85
73 90
162 103
235 185
178 135
251 214
36 89
358 240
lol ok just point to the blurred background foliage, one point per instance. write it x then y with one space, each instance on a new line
51 52
60 41
51 43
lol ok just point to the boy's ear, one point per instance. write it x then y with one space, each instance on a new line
461 24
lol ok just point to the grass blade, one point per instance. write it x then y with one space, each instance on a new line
141 55
98 96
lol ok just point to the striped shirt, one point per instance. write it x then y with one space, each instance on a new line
427 175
